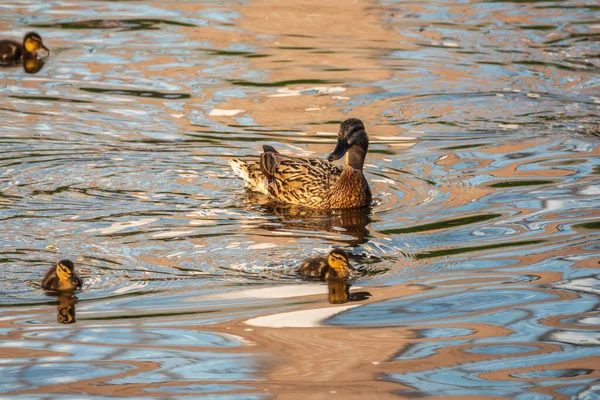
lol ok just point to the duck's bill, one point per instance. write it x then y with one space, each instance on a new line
74 280
340 149
45 48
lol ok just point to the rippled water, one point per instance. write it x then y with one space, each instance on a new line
480 253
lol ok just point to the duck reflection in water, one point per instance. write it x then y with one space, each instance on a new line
62 280
352 223
335 268
66 308
32 65
339 292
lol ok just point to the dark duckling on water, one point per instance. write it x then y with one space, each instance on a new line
311 182
335 266
61 277
11 50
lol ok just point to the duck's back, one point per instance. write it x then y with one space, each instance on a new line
302 181
10 50
50 281
314 267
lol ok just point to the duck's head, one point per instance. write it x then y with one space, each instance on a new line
339 261
32 42
65 270
352 142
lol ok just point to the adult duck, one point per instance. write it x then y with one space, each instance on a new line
312 182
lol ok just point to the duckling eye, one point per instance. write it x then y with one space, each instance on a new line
338 257
64 269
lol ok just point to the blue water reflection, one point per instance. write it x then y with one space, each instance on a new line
480 251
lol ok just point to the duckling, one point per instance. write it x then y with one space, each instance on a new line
333 267
11 50
61 277
311 182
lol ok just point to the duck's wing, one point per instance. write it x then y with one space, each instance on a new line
250 172
10 50
313 267
76 281
50 281
302 181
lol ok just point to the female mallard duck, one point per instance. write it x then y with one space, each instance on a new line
335 266
61 277
310 182
11 50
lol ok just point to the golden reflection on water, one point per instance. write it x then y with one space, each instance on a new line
65 307
481 280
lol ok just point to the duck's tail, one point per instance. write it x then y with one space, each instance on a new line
251 174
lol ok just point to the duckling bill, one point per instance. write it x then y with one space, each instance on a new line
336 266
11 50
61 277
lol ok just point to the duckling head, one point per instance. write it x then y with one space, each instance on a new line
65 272
32 42
352 142
338 260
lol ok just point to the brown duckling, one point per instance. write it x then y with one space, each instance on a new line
61 277
335 266
11 50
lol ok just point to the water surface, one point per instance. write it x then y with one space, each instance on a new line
480 251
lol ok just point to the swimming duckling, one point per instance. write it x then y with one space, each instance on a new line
310 182
11 50
61 277
333 267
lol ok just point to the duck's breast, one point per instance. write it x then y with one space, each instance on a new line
351 190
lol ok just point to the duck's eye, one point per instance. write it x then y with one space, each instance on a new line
339 258
64 270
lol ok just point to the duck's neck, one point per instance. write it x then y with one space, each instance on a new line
355 157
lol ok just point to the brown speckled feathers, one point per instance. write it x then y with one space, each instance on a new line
311 182
52 279
10 50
